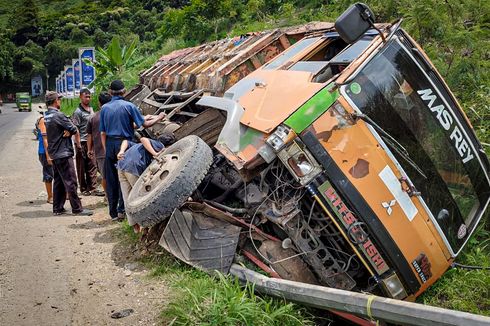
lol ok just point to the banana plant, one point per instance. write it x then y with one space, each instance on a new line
111 63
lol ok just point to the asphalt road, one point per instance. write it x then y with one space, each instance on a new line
10 121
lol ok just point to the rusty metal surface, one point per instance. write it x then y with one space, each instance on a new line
216 66
286 263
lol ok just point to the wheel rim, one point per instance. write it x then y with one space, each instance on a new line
158 171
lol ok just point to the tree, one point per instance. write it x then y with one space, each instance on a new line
6 58
112 62
56 53
25 20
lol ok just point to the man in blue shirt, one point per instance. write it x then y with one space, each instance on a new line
118 120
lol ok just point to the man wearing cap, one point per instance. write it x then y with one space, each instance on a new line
86 169
117 122
59 130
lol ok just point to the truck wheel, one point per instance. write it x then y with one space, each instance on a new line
169 181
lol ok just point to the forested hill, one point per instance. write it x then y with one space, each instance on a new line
40 34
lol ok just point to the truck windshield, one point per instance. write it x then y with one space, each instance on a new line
398 96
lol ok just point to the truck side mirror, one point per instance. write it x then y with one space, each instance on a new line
354 22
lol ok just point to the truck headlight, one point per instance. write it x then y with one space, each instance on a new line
300 165
299 162
394 287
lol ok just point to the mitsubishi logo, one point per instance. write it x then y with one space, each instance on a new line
388 206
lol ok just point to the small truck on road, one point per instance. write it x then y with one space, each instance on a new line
23 101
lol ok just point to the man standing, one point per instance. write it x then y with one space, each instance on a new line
59 130
94 143
86 169
117 122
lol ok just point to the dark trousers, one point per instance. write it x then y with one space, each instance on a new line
65 183
114 196
86 169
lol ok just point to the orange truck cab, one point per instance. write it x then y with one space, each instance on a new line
372 169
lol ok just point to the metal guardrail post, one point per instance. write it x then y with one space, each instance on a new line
374 307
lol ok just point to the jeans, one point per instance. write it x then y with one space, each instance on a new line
47 169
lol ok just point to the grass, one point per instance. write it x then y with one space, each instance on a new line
465 290
200 299
223 301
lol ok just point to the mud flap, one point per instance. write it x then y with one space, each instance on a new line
201 241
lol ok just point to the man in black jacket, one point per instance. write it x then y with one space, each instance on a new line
59 130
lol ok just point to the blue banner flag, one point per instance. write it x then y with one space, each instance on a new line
76 75
87 72
69 81
63 83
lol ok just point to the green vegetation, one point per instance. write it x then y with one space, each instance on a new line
198 299
223 301
465 290
113 63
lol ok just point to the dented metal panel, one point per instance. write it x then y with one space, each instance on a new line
263 110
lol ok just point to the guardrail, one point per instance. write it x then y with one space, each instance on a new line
370 306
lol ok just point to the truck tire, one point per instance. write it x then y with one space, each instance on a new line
169 181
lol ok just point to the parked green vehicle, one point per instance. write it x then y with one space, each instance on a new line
24 101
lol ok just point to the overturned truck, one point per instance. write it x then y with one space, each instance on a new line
343 161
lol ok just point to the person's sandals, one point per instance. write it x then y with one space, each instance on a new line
49 201
86 193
